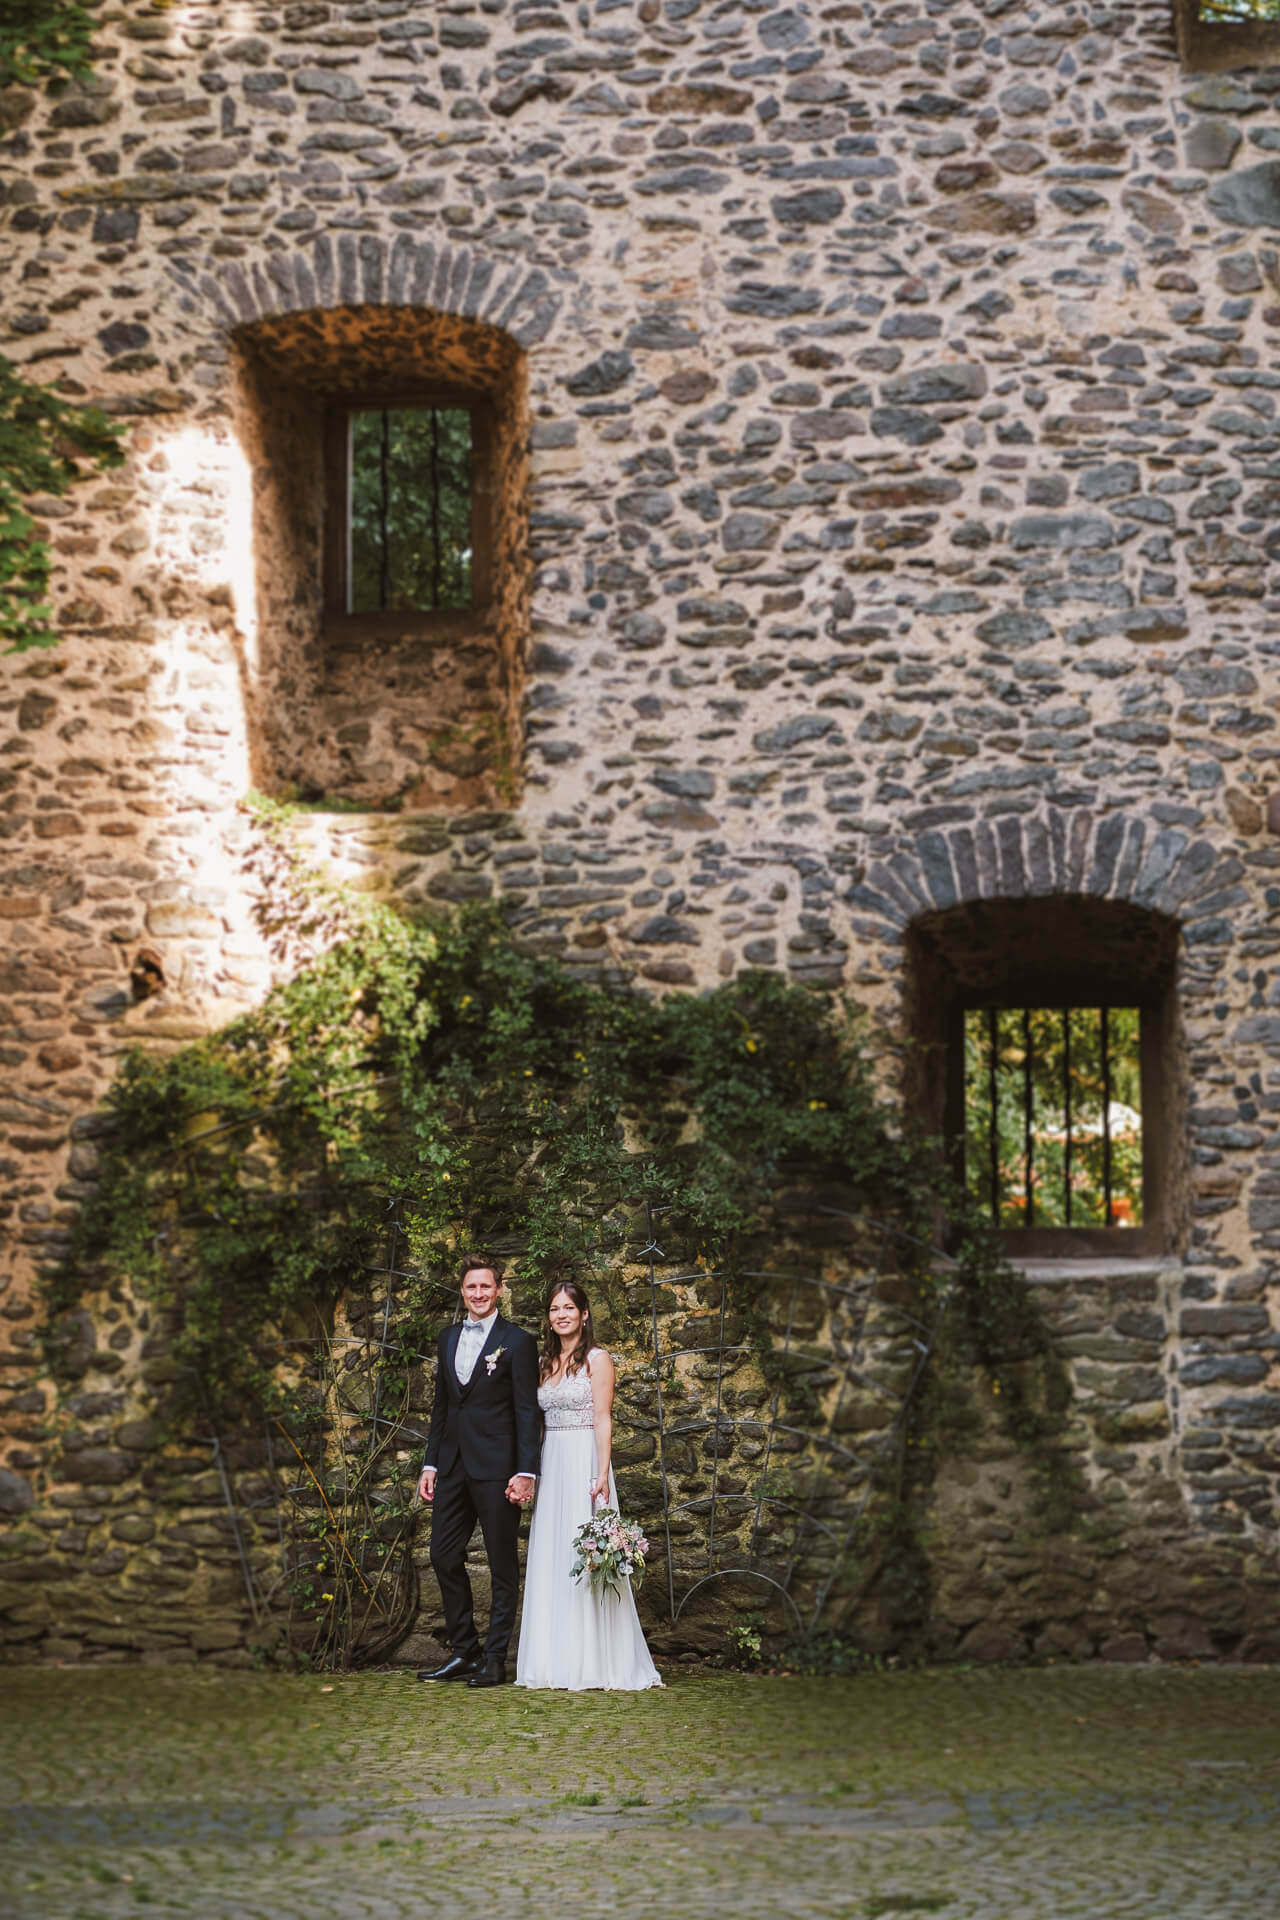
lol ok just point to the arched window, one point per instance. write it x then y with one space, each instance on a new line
1049 1063
388 447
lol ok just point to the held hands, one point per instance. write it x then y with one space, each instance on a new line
520 1489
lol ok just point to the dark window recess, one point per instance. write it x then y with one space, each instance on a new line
1053 1106
1049 1065
410 510
1221 34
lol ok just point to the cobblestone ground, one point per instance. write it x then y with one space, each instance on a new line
1099 1792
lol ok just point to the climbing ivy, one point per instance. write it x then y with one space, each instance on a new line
46 444
43 40
46 441
441 1073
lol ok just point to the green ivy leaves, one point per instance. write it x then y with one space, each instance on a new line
43 441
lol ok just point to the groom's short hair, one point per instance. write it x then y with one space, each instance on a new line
473 1260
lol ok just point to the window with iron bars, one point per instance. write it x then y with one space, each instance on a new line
1053 1115
407 534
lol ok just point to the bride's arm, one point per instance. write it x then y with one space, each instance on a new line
601 1374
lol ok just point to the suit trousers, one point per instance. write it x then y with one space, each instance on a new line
459 1502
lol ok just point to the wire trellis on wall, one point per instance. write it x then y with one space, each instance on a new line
798 1427
861 1341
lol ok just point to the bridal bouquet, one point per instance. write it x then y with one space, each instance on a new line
609 1550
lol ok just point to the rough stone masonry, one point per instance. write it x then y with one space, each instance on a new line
887 526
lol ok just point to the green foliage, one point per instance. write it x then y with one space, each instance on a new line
43 438
1225 13
44 40
44 445
442 1077
745 1642
826 1653
410 509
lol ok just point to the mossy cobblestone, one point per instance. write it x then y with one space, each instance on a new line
985 1793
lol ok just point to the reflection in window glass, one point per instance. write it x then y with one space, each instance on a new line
1053 1115
410 510
1225 13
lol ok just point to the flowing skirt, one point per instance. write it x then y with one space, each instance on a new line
569 1636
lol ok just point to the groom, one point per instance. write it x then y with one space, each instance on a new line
480 1464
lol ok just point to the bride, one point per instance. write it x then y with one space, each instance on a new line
569 1636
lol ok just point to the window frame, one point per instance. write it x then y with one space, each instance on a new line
1048 990
339 622
1207 48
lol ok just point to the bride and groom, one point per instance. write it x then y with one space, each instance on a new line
512 1427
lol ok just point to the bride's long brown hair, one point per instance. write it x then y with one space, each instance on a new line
550 1356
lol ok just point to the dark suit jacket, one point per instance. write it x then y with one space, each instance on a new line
492 1424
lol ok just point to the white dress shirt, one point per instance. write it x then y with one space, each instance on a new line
471 1339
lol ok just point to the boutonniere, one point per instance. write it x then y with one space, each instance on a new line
491 1359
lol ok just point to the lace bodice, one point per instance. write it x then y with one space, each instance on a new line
567 1402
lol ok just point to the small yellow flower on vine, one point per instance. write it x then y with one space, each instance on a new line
326 1596
815 1104
995 1386
751 1046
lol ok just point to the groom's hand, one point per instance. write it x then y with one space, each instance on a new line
427 1484
520 1489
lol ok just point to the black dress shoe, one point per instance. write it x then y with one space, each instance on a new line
492 1674
459 1666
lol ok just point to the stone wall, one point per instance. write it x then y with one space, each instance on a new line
902 469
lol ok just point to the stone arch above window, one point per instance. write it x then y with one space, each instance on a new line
1109 856
1216 35
1039 865
347 270
388 452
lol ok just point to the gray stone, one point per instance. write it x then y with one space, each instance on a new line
744 532
905 423
15 1494
97 1466
791 733
814 204
605 374
1211 144
642 631
764 302
689 783
926 386
1069 532
1014 630
663 930
1249 197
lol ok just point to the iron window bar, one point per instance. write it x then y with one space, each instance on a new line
1034 1178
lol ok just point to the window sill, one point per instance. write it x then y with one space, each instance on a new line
1040 1272
360 629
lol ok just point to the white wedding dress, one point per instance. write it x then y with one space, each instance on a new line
569 1636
